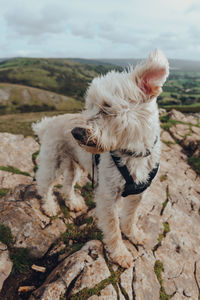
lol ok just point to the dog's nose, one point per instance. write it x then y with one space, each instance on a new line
79 134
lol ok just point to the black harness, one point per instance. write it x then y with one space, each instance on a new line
130 188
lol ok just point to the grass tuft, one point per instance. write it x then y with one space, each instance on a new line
3 192
21 260
6 236
13 170
194 162
158 269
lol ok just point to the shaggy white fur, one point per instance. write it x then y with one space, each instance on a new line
121 113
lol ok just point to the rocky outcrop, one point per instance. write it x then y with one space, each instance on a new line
5 264
166 255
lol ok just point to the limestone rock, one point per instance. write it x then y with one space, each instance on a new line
192 143
108 293
146 285
16 151
30 227
95 272
9 180
177 115
180 131
87 266
5 264
166 229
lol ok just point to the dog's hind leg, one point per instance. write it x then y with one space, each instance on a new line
108 222
74 200
130 205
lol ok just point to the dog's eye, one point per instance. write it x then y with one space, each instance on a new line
104 112
106 105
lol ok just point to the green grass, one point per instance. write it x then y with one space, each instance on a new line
3 192
21 123
194 162
21 260
83 235
193 108
13 170
6 236
19 256
158 269
88 195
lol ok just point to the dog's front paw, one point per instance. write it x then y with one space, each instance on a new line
122 257
76 203
51 209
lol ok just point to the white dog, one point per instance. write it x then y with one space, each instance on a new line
121 123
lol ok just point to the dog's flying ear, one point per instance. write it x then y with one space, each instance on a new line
151 75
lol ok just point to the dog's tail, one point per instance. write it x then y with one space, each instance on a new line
40 127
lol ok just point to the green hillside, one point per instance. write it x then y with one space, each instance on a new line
62 76
15 98
181 91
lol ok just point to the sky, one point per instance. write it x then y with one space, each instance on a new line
99 29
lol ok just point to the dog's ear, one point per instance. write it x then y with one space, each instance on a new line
151 75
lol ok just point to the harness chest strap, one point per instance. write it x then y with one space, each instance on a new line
130 188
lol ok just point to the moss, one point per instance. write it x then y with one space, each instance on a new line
3 192
163 177
166 228
96 290
35 155
162 235
58 186
21 260
6 235
64 209
19 256
88 220
194 162
13 170
88 195
158 269
81 235
167 123
168 143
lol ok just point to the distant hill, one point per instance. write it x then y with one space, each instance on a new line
175 64
16 98
63 76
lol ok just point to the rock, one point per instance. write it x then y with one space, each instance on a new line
166 229
177 115
108 293
87 267
145 283
191 143
166 137
95 272
180 131
16 151
9 180
31 229
162 112
5 264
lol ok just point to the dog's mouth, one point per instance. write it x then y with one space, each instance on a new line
82 137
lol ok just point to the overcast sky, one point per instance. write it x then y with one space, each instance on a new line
99 28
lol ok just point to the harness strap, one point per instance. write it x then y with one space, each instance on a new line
95 161
132 188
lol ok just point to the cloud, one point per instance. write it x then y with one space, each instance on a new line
33 21
194 8
92 28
